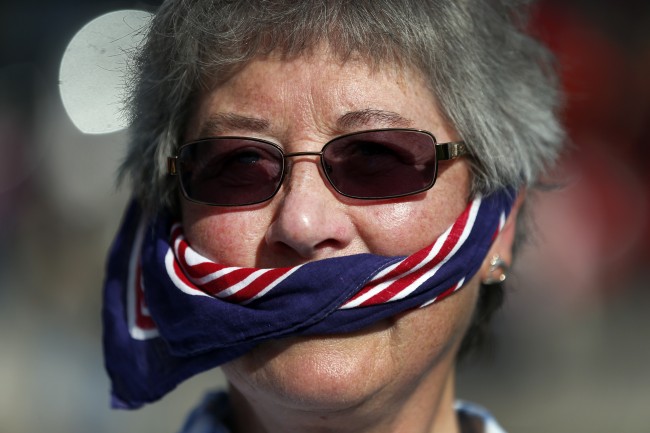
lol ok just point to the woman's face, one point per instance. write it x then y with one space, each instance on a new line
301 104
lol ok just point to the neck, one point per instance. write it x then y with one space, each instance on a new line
428 407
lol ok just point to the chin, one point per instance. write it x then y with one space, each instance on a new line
324 373
380 366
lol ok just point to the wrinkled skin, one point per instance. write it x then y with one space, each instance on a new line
398 374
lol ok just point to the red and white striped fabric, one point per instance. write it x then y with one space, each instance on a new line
205 313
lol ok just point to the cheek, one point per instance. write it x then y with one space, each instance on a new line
435 332
225 236
403 228
406 226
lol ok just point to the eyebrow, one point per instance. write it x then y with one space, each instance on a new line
356 119
219 123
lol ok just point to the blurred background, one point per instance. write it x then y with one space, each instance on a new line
572 345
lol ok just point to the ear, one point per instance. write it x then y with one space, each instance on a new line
502 245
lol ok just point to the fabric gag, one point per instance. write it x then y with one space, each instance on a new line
170 313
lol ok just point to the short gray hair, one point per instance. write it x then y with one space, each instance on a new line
494 83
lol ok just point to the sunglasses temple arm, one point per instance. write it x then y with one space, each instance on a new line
452 150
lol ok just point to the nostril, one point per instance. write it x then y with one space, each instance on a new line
328 247
284 254
287 255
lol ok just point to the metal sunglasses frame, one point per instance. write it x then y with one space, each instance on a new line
444 152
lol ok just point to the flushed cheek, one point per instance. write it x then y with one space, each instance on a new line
402 228
231 238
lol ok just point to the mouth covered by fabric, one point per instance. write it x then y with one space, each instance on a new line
170 313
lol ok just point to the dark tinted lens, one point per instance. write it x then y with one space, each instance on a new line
381 164
230 171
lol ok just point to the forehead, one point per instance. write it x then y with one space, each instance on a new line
319 89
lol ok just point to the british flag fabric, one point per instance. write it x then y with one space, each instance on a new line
170 313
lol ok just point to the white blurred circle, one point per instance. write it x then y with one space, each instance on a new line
92 73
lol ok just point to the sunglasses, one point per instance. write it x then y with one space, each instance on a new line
368 165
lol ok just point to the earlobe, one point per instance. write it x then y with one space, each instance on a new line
497 273
498 260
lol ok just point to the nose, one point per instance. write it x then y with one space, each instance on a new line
310 222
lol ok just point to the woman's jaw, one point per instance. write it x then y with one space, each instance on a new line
396 375
398 372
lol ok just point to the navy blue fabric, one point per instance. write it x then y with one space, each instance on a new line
197 333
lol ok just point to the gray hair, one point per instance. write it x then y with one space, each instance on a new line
493 82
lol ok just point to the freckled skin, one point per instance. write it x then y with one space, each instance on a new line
396 375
